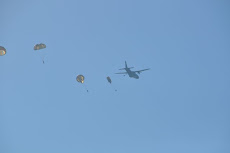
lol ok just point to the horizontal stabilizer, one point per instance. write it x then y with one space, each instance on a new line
122 73
126 68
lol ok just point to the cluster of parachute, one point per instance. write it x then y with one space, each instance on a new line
80 78
36 47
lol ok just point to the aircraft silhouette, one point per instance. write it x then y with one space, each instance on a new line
132 74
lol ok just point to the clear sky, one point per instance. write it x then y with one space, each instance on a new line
180 106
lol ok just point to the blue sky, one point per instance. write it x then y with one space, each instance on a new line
180 105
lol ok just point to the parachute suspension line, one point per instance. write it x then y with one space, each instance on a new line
85 88
42 56
114 88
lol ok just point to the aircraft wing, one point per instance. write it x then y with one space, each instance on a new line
121 73
141 70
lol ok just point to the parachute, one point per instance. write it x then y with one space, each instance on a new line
109 80
80 78
2 51
39 46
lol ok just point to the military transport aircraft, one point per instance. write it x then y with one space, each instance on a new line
132 74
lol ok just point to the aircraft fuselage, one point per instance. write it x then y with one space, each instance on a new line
131 73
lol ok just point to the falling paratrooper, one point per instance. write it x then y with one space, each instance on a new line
80 78
38 47
110 81
2 51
